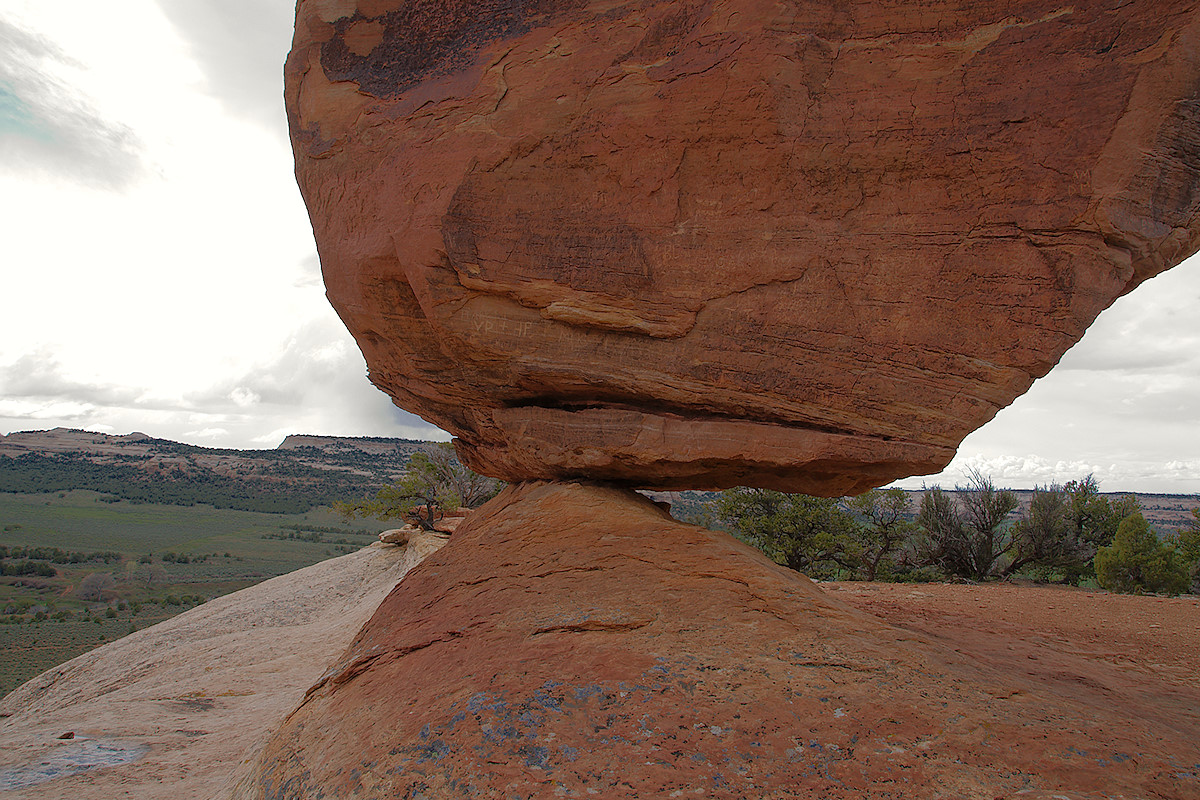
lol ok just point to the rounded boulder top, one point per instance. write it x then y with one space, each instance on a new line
802 245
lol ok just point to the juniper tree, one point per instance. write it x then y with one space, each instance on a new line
433 482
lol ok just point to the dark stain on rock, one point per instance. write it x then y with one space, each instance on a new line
668 34
586 252
194 703
1176 192
430 38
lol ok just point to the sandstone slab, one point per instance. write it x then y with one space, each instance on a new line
173 711
575 641
796 243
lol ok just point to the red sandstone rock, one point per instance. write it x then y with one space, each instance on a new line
699 243
575 641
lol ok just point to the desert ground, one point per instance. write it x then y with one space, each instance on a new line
1049 633
1126 656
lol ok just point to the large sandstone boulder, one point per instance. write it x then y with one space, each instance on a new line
574 641
696 243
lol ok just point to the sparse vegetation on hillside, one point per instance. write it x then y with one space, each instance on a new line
289 480
156 561
278 488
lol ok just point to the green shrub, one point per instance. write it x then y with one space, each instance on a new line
1137 561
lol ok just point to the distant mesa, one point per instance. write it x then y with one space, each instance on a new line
64 440
81 441
367 444
304 472
804 245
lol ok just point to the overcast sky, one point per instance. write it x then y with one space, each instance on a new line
159 272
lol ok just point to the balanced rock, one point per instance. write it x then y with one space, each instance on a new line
574 641
804 244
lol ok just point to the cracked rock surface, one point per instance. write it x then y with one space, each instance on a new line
575 641
806 245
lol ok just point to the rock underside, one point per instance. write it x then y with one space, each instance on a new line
702 243
575 641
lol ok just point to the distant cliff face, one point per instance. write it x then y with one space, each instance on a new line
374 445
809 245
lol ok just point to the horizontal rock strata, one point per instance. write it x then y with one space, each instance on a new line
808 245
574 641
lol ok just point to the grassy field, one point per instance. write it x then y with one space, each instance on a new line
158 559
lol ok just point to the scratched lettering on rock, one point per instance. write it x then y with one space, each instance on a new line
496 325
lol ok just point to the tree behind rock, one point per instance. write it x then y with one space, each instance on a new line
1137 561
1045 538
1187 543
1094 520
812 535
433 482
942 541
882 529
966 538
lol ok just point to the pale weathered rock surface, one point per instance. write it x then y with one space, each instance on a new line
176 709
446 525
802 244
398 536
574 641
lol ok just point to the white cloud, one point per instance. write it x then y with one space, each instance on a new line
244 398
62 412
316 384
240 45
207 433
38 376
48 127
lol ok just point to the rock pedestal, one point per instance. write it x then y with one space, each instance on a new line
574 641
803 244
